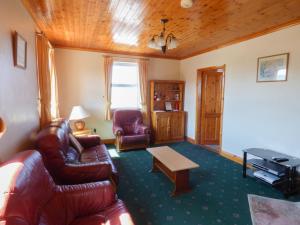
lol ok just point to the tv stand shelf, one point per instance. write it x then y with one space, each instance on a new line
281 175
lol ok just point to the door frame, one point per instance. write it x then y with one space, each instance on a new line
199 101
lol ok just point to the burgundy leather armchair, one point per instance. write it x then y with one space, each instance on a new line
29 196
129 130
66 164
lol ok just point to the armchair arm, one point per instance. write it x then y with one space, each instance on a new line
86 199
143 129
118 130
86 172
89 141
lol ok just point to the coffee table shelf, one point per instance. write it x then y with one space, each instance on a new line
174 165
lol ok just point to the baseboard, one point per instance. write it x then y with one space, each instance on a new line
231 157
108 141
211 149
190 140
223 153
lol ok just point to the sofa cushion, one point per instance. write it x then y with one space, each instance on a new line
134 139
75 143
101 154
97 219
72 155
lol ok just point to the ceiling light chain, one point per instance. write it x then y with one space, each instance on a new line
162 41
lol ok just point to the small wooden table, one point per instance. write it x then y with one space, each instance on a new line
174 165
82 133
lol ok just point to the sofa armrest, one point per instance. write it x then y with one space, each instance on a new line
142 129
89 141
86 199
118 130
86 172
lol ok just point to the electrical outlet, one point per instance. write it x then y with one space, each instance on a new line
95 131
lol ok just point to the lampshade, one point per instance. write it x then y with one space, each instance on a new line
78 113
186 3
172 43
151 43
161 40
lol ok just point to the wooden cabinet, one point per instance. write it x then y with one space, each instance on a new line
161 122
168 126
177 125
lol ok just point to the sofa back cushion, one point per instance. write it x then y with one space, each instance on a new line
26 189
53 144
75 143
128 120
61 123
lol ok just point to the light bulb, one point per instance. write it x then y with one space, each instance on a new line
186 3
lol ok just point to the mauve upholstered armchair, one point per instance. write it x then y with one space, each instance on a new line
129 130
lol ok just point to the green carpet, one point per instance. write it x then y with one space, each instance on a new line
218 196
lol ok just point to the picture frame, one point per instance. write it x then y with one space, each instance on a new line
272 68
19 51
168 106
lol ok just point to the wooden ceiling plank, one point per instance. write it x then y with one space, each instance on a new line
209 24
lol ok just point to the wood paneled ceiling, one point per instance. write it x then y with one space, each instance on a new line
125 26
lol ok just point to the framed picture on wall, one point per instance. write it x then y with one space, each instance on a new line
272 68
19 51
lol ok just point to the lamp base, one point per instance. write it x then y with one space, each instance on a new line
79 125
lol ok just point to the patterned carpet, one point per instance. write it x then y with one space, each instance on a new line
218 196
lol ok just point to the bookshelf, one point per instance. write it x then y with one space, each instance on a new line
163 91
167 124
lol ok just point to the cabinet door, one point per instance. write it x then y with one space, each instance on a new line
163 127
177 126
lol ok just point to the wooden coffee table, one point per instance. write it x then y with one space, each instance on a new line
174 165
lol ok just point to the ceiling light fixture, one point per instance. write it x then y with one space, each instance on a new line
186 3
163 41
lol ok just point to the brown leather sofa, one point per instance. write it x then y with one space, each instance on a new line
29 196
69 166
129 130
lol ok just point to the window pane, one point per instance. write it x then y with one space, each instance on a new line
125 73
125 92
124 97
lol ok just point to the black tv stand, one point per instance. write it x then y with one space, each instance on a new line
281 174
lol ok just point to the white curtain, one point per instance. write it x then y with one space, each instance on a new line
143 80
47 80
54 88
108 64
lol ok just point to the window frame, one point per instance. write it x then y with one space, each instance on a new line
137 85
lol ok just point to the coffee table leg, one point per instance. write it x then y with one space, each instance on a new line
154 167
181 182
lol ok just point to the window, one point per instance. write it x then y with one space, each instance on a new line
125 90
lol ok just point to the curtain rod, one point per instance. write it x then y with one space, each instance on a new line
126 57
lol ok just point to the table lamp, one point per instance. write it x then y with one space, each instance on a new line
2 127
78 114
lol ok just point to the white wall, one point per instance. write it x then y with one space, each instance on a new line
18 87
255 114
81 82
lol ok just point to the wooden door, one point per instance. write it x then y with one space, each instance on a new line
211 102
163 127
177 126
